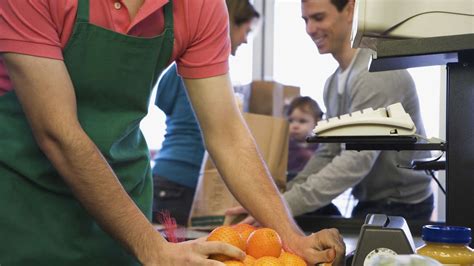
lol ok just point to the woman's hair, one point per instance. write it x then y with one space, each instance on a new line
307 105
241 11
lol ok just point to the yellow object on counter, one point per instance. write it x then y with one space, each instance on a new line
448 245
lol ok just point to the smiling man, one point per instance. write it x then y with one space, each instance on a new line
378 183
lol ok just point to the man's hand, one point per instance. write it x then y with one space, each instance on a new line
195 252
324 246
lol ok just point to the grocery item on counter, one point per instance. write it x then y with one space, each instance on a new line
447 244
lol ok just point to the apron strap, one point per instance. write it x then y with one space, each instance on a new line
168 10
82 11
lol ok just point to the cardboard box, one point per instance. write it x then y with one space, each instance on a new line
267 97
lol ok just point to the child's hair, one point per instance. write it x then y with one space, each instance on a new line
306 104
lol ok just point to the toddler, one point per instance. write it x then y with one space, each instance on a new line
303 114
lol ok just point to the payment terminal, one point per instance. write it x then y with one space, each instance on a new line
382 234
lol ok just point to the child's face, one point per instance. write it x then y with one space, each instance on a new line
301 124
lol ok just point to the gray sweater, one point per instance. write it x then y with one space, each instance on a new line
374 175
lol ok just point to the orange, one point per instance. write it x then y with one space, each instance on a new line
228 235
268 261
290 259
245 230
234 263
249 260
264 242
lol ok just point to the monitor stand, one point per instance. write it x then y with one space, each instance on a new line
457 53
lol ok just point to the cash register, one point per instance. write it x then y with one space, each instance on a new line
414 33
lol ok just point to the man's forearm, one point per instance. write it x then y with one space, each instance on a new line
319 188
97 188
234 151
320 158
238 160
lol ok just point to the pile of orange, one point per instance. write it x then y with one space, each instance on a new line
263 246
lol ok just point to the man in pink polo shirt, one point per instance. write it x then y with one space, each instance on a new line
75 181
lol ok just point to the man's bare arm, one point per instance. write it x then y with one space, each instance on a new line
234 152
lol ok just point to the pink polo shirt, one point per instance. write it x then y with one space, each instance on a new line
43 27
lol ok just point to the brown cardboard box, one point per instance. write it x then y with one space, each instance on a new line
289 93
267 97
212 197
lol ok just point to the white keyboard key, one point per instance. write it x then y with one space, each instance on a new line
322 122
382 112
356 114
344 117
396 110
367 110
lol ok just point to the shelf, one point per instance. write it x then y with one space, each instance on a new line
360 143
401 54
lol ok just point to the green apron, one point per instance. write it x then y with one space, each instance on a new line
41 223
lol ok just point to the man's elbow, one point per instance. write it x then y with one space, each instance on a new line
47 140
54 139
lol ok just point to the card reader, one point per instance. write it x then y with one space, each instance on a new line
382 234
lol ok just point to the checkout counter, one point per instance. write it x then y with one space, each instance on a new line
375 231
417 33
